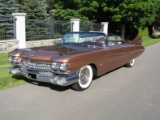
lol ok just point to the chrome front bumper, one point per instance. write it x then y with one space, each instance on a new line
54 78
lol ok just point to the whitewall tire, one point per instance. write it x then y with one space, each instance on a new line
130 63
85 78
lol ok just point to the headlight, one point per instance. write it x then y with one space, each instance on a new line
16 60
10 59
55 66
13 59
59 66
63 67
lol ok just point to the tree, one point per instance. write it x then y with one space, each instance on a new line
137 12
36 23
35 9
8 7
157 22
50 5
131 13
68 14
67 9
20 1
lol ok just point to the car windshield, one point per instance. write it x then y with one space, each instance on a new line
82 37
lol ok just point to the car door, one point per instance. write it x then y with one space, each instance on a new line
115 57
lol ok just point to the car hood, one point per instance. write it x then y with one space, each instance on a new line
52 53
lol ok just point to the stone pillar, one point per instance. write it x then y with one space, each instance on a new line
105 27
20 29
75 25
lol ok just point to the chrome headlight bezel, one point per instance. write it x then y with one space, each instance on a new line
63 67
13 59
59 66
10 59
55 66
16 60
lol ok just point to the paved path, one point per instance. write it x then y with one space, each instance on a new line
124 94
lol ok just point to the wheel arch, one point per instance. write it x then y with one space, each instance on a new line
95 70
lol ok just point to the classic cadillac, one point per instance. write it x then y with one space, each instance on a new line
75 59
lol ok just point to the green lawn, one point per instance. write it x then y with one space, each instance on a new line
149 41
142 32
7 80
3 59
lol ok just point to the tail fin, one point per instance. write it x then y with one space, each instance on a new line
137 40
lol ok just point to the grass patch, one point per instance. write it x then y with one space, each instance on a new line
8 80
149 41
4 58
143 32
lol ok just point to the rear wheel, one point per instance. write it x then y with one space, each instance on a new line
130 63
85 78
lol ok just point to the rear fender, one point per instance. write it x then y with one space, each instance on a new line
137 40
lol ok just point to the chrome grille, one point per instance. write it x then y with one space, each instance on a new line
36 65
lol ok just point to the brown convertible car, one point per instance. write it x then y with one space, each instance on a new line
75 59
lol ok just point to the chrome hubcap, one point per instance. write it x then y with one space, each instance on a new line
84 76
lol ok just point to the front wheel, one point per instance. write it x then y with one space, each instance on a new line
130 63
85 78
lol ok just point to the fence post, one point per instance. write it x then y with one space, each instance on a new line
75 25
20 29
51 24
91 26
105 27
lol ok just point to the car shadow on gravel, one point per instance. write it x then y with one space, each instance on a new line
97 77
43 84
56 87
